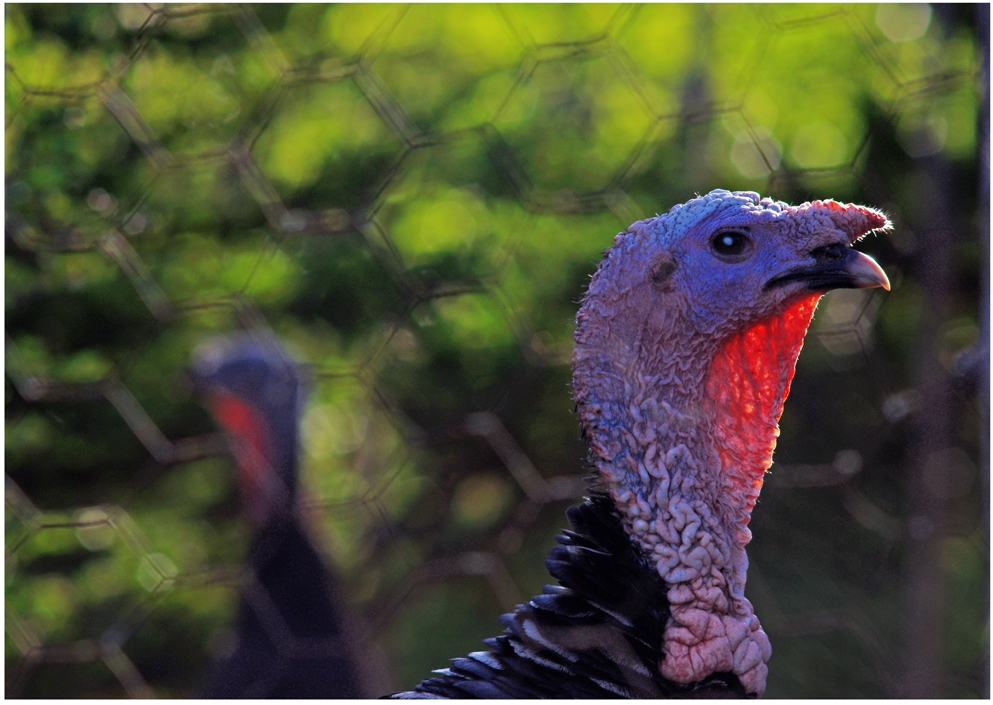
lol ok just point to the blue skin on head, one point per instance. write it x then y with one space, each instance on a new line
777 238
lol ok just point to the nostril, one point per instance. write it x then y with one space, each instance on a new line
829 253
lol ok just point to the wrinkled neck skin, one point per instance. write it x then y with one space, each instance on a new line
682 424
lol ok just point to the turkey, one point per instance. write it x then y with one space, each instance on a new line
294 638
686 344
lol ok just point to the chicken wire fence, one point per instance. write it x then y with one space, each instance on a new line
412 199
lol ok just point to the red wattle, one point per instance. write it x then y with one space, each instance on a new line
251 448
748 382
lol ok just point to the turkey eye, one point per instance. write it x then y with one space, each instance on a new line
731 243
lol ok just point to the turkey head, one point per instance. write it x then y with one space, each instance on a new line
255 393
686 344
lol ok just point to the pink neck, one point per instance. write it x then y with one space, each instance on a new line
682 443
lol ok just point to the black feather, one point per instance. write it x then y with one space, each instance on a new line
598 634
290 637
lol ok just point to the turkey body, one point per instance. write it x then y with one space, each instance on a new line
294 635
290 640
598 634
686 344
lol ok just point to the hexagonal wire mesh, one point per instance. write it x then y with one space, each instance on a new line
412 199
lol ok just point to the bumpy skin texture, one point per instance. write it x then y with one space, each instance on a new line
682 362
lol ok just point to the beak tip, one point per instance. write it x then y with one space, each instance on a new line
865 272
866 269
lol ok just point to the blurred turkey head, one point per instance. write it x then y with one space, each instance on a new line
255 393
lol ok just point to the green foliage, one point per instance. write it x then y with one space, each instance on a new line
413 199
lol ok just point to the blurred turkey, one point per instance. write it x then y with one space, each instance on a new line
686 344
294 636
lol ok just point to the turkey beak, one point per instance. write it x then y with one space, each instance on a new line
864 272
836 267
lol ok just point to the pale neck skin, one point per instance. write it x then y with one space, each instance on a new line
685 475
680 393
